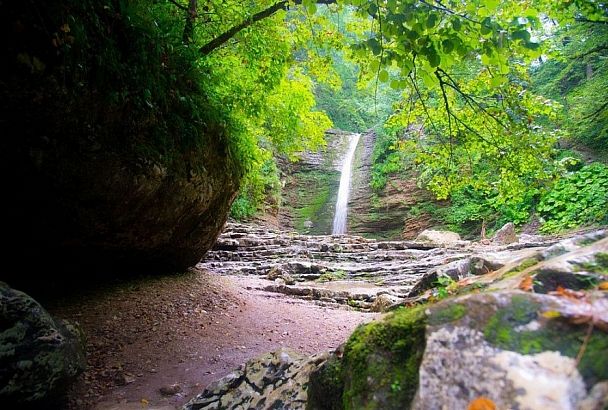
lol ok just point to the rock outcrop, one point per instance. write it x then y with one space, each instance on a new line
94 172
438 237
277 380
515 335
39 356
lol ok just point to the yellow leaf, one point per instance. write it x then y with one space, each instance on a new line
481 403
603 285
551 314
144 403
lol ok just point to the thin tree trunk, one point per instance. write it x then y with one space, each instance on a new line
191 15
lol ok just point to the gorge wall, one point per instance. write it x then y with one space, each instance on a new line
311 187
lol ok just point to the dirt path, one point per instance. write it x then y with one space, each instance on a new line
188 330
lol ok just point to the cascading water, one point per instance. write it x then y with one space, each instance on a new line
342 202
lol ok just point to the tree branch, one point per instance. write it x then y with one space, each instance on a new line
227 35
179 6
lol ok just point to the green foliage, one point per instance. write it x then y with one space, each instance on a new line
579 198
260 186
444 286
577 76
387 158
332 276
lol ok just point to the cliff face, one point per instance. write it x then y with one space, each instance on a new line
311 187
97 170
388 213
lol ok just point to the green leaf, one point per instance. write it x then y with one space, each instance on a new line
375 46
383 76
374 65
396 84
447 45
523 35
372 9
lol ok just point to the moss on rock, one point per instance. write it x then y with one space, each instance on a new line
509 329
381 361
326 386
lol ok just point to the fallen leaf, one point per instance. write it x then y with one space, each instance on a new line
526 284
603 286
482 403
568 293
144 403
551 314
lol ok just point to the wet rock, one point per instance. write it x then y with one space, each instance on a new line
384 302
572 244
505 235
456 270
438 237
39 356
425 283
480 265
170 390
275 272
277 380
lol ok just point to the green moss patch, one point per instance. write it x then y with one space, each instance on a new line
381 360
447 313
326 386
522 266
558 335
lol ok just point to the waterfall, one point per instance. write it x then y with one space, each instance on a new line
342 202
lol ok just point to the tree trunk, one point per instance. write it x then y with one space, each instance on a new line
190 19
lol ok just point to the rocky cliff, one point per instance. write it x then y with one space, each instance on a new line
110 156
311 187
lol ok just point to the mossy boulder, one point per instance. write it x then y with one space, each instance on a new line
39 356
381 361
112 156
517 349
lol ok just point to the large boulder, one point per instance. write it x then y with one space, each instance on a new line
98 169
39 356
511 349
440 238
505 235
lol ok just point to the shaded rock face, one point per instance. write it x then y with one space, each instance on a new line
38 355
311 187
94 179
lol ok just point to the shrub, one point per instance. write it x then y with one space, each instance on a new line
579 198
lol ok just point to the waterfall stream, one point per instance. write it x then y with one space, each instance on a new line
339 226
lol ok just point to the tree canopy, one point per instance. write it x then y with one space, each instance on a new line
455 75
